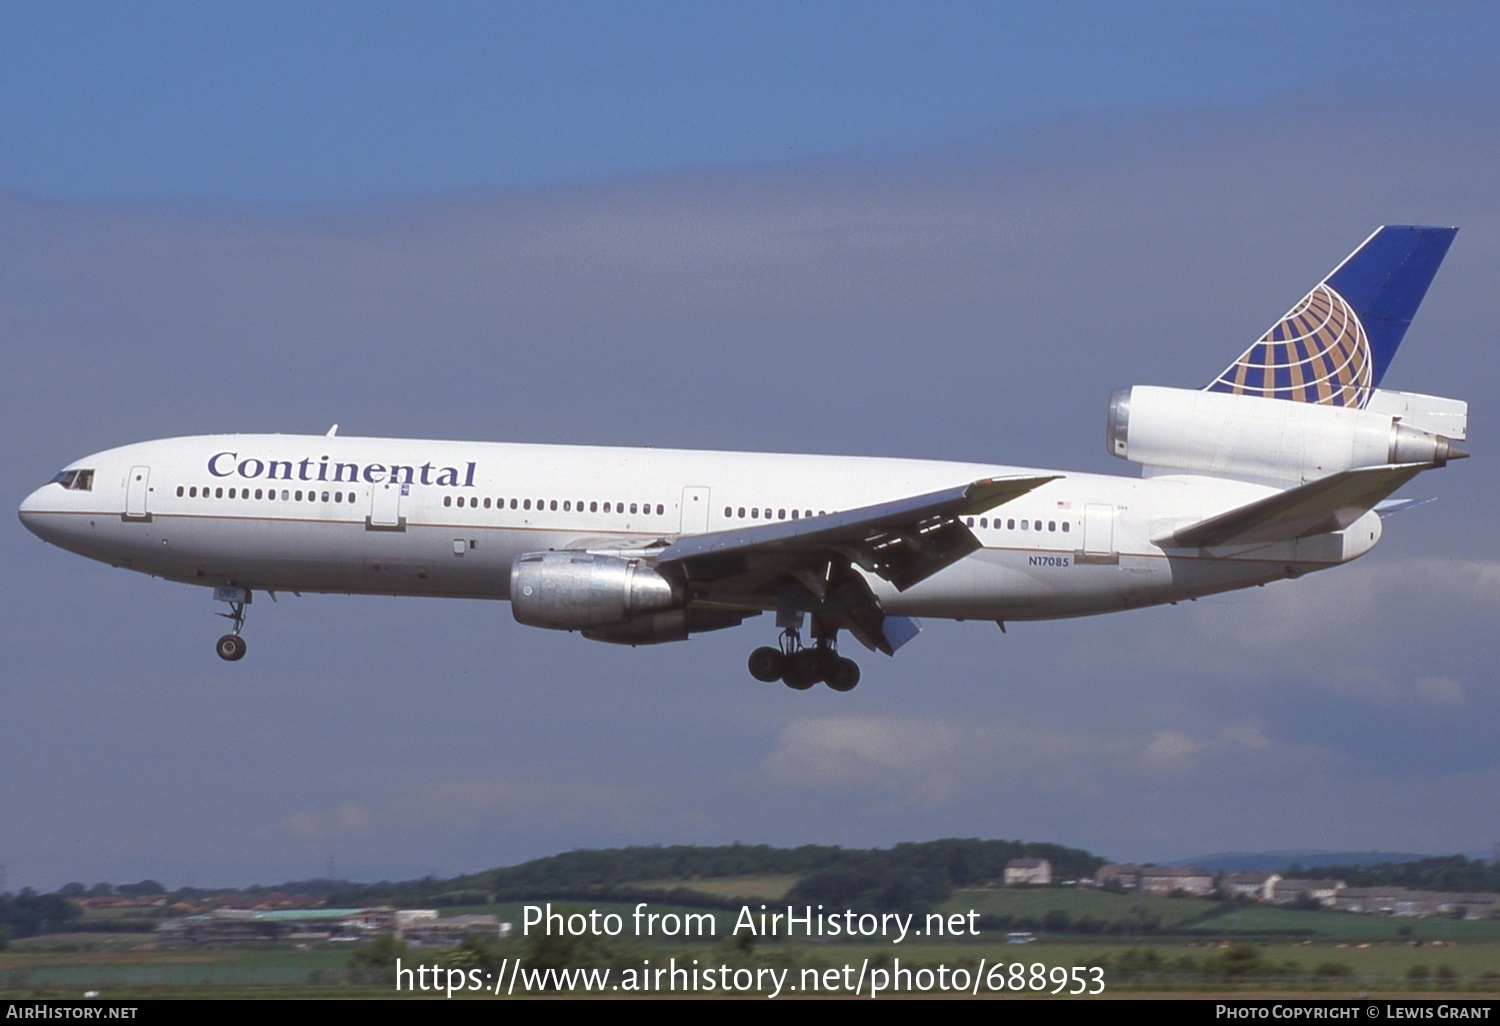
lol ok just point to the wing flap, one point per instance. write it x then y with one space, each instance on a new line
1328 504
806 564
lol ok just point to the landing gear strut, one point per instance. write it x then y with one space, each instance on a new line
800 668
231 647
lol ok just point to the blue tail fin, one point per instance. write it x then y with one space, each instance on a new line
1334 346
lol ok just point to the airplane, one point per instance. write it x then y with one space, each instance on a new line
1279 467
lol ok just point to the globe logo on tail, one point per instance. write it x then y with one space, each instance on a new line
1317 353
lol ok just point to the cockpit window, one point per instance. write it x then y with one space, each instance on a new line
76 480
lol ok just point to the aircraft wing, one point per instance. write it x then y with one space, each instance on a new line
1328 504
904 541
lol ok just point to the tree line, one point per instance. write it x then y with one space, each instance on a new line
913 877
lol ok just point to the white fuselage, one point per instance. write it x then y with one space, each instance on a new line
442 518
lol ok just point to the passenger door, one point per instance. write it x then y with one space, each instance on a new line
137 488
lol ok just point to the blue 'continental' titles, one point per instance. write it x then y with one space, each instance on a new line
229 464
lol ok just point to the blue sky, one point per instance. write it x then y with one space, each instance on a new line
308 103
916 230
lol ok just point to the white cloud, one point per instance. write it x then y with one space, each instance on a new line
1440 690
1247 734
1171 749
916 757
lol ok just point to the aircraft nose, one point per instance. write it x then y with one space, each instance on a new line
31 514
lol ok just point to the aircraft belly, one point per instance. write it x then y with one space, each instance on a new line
1018 584
316 556
993 584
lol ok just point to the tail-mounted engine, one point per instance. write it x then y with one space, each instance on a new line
1174 430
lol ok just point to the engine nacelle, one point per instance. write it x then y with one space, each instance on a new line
574 591
1175 430
672 625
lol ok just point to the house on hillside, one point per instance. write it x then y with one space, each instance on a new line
1254 886
1291 890
1028 873
1124 875
1176 880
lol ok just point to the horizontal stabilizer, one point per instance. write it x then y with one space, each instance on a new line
1318 507
1390 507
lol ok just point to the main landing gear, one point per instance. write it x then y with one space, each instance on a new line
231 647
800 668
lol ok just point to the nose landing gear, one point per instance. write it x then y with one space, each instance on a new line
231 647
800 668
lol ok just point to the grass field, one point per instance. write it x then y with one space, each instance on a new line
1036 902
1348 926
43 969
1190 952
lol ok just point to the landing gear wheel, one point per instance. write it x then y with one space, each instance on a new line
231 648
767 664
803 669
842 675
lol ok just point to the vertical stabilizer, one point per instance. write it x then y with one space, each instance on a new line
1334 346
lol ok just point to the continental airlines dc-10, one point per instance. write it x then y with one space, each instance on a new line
1281 466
